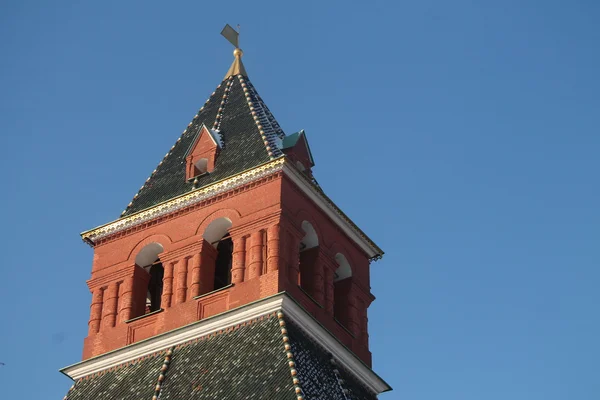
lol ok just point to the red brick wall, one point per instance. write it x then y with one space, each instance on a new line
266 232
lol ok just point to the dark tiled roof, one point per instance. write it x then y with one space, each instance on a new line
320 377
248 362
242 145
134 380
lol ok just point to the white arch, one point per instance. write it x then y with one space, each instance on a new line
148 254
344 270
310 239
216 230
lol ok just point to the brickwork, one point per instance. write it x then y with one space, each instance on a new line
265 227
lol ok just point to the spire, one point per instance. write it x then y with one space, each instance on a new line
237 68
247 133
233 36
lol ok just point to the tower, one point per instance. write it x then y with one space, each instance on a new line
230 275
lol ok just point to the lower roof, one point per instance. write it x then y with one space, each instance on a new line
267 358
269 349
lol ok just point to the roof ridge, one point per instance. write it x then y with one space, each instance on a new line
217 123
269 129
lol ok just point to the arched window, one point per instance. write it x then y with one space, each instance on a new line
149 301
342 281
217 235
309 252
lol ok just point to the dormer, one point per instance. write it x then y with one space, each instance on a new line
295 146
203 153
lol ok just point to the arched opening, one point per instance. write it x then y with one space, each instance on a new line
342 282
309 252
149 260
217 235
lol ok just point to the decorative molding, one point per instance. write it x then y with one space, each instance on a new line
236 181
104 280
183 201
280 302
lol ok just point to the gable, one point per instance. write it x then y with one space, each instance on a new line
203 153
296 147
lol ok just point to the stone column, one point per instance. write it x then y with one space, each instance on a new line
181 280
239 259
167 295
273 239
256 255
195 265
109 312
96 311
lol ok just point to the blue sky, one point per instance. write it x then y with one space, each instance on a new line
461 136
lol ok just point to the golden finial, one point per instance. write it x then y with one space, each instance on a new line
233 36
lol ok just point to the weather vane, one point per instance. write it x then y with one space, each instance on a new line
233 36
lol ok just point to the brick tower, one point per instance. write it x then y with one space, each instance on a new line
230 275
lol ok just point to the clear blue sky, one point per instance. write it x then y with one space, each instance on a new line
462 136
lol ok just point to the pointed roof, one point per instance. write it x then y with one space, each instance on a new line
249 134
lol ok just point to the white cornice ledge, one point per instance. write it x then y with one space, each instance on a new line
282 301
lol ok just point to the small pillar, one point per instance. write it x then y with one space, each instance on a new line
256 255
182 266
239 259
273 239
319 282
96 311
353 315
125 313
109 314
195 287
364 326
167 295
329 290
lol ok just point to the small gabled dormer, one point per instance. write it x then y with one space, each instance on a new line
203 153
295 146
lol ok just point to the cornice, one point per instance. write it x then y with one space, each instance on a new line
182 201
236 182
